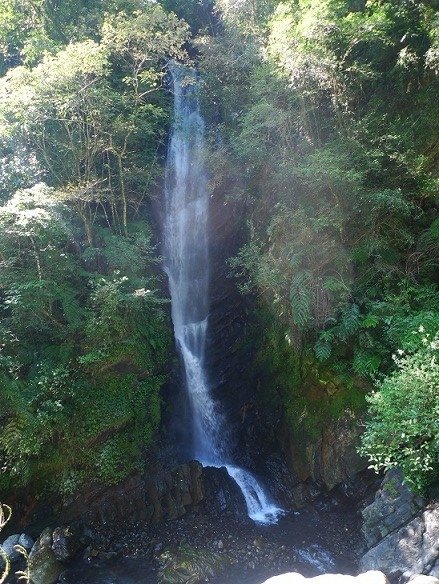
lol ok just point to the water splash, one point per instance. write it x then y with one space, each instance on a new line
187 267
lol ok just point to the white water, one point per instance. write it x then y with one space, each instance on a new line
187 267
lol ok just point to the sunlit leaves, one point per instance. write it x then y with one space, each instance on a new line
141 41
402 425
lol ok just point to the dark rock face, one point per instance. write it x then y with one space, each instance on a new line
258 437
299 473
100 505
403 538
329 460
168 494
223 494
225 358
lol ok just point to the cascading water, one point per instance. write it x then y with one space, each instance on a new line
187 267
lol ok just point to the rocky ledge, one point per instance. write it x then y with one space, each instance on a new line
164 495
402 533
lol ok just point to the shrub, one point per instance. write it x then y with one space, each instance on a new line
402 427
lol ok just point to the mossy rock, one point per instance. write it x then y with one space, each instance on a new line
187 565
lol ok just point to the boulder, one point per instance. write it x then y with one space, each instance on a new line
26 541
8 547
222 493
44 568
394 506
435 570
295 578
412 549
186 564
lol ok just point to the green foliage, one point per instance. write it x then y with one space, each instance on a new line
92 113
88 406
300 298
84 334
305 392
331 128
403 411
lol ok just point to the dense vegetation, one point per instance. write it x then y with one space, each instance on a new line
84 333
325 125
329 114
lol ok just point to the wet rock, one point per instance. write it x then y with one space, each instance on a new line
223 494
107 555
8 547
44 568
412 549
87 536
371 577
26 541
89 553
66 543
394 506
169 494
285 484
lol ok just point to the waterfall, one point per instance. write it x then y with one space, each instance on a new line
187 267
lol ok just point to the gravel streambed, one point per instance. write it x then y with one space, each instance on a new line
312 541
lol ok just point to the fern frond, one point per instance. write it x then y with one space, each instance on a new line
323 346
366 364
350 321
300 298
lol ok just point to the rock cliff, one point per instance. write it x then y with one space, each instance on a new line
401 533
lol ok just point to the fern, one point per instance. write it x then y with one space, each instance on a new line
11 436
350 322
323 346
366 364
430 237
370 321
300 298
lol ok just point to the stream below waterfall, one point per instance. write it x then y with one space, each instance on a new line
312 541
